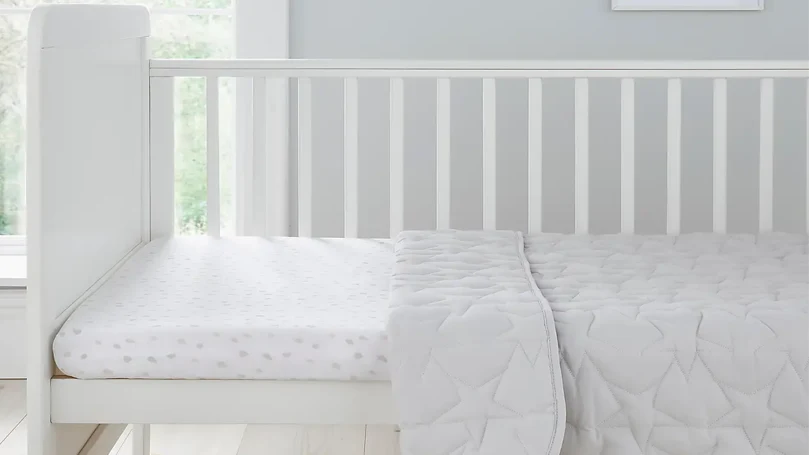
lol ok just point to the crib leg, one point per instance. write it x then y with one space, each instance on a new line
141 440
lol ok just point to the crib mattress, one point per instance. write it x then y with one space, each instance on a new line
236 308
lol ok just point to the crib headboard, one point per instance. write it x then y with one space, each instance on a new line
86 124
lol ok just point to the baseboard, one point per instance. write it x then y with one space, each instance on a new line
12 333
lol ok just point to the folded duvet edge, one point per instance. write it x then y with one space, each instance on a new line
474 356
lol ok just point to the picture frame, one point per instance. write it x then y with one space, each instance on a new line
687 5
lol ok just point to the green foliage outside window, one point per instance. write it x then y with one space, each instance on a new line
173 36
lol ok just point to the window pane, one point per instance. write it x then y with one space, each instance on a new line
176 36
179 36
12 136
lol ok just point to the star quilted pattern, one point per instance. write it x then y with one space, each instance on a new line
475 366
695 344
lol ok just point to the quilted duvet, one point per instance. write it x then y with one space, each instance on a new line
474 361
695 344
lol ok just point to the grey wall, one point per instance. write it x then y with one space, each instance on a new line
552 29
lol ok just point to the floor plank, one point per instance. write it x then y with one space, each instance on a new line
196 439
272 440
334 440
381 440
12 406
299 440
16 443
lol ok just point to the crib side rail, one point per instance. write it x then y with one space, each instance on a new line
269 134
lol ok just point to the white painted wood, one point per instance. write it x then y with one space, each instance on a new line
627 156
277 157
443 163
254 69
416 67
190 401
489 154
535 156
351 159
146 172
262 31
88 60
81 26
12 333
806 176
12 271
141 439
766 138
12 406
396 156
161 156
582 159
720 155
256 177
674 156
688 5
381 440
212 113
304 157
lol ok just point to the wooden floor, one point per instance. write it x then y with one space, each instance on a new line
217 439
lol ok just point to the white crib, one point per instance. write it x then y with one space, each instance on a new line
100 186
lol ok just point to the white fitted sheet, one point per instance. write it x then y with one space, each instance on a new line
236 308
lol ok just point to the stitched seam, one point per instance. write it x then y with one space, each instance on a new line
532 284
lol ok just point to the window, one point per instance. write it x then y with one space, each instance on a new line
180 29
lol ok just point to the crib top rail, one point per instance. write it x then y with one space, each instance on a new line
479 68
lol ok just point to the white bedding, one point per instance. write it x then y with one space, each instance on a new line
693 344
688 345
197 307
474 362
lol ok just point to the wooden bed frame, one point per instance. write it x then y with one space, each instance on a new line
100 185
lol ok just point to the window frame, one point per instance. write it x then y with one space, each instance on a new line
260 30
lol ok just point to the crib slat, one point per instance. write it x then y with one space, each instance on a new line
627 156
582 165
765 168
535 156
277 172
720 155
489 154
806 177
304 157
396 156
161 158
255 216
351 157
673 172
442 163
212 113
